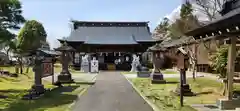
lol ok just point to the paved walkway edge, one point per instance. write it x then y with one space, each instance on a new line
154 107
79 95
72 104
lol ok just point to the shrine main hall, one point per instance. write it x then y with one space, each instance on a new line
112 43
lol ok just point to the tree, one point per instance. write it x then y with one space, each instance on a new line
32 36
161 29
219 63
178 29
210 8
46 45
11 14
219 60
10 19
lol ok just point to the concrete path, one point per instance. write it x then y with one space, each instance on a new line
111 92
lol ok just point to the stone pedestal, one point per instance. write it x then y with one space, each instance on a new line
35 92
157 78
144 74
225 104
65 78
85 68
38 89
186 90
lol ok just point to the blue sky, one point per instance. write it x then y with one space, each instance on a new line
56 14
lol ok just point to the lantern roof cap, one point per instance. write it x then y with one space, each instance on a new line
65 47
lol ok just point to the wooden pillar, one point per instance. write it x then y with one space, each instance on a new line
231 66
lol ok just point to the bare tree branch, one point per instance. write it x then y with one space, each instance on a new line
210 8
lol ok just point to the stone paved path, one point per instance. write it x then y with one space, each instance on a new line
111 92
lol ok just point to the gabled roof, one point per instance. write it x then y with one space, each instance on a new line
177 42
156 47
111 34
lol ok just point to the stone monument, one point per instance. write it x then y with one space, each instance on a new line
94 65
143 70
85 64
135 63
65 76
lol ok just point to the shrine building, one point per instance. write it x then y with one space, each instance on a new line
109 41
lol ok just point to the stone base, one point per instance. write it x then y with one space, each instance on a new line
38 89
158 81
225 104
35 92
157 78
65 78
186 90
144 74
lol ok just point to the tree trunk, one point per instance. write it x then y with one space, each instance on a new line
27 70
20 65
28 65
194 72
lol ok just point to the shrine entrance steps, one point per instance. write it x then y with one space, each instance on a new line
111 92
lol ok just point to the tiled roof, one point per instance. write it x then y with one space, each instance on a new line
110 40
111 35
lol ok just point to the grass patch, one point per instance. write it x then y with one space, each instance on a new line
128 72
160 95
14 88
207 90
169 72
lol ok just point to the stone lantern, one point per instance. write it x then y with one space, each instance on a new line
38 70
157 53
65 76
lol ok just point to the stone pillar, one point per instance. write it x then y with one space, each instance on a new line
38 71
231 66
65 62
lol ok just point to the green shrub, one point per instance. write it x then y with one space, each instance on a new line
219 60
